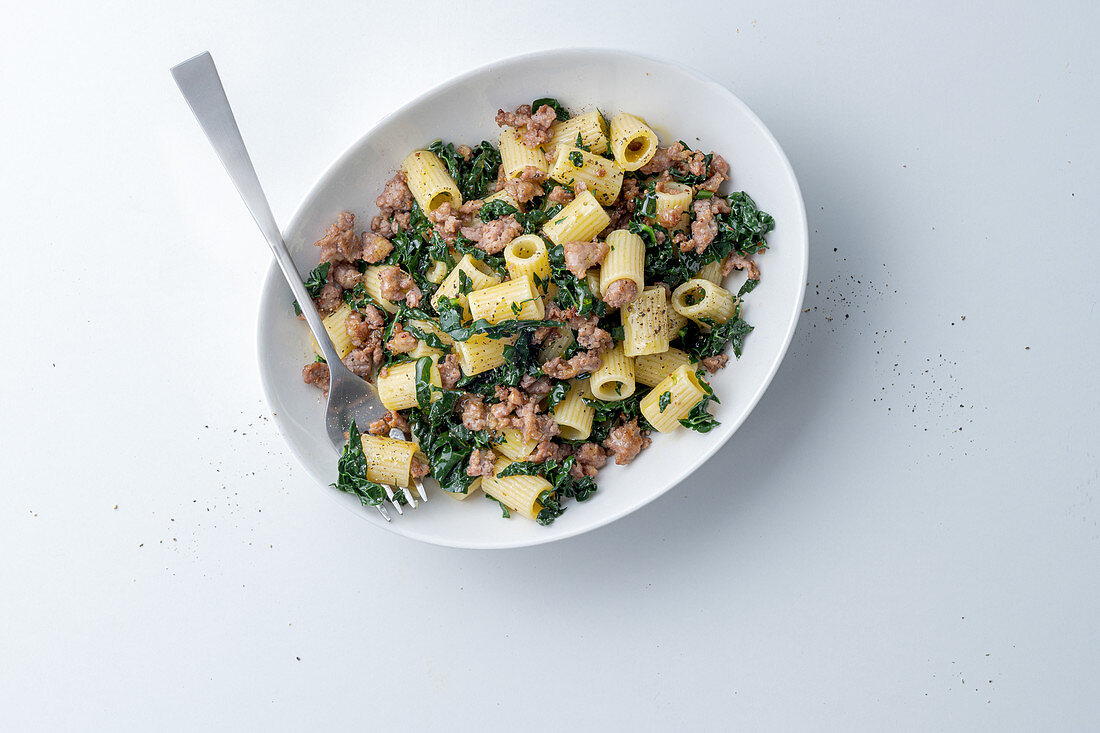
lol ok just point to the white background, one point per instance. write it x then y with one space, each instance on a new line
902 536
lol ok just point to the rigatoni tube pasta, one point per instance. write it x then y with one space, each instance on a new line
574 415
516 156
625 260
480 353
591 127
510 300
468 270
429 181
336 326
679 391
526 256
702 301
600 175
650 369
645 323
397 385
518 493
632 142
579 221
513 445
673 201
614 380
389 461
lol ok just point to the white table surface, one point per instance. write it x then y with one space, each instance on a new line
903 536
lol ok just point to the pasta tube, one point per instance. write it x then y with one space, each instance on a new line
614 380
389 461
372 283
472 489
673 202
573 414
503 195
518 493
712 272
591 127
437 272
335 324
650 369
625 260
602 177
645 323
480 354
526 256
632 142
429 181
702 301
515 156
579 221
511 299
683 392
479 275
397 385
513 445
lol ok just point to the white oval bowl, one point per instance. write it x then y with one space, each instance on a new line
678 104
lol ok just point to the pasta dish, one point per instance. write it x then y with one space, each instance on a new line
531 309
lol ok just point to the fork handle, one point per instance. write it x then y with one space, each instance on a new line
201 86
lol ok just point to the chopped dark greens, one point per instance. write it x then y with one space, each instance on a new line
699 419
496 209
450 321
560 476
664 400
701 344
504 513
559 110
748 287
446 442
475 175
351 475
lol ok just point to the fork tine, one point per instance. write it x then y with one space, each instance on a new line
420 490
389 494
410 498
382 510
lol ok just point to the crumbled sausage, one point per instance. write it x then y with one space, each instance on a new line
391 420
589 335
620 292
365 327
559 195
361 362
703 229
395 199
520 411
626 442
401 342
527 185
482 463
579 256
535 127
719 173
535 386
316 373
590 459
538 127
493 236
714 363
398 285
447 220
418 468
340 243
579 363
475 415
737 261
330 298
669 218
376 248
465 151
346 275
546 450
449 371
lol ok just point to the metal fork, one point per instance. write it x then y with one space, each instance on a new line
349 397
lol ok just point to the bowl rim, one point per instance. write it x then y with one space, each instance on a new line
274 274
